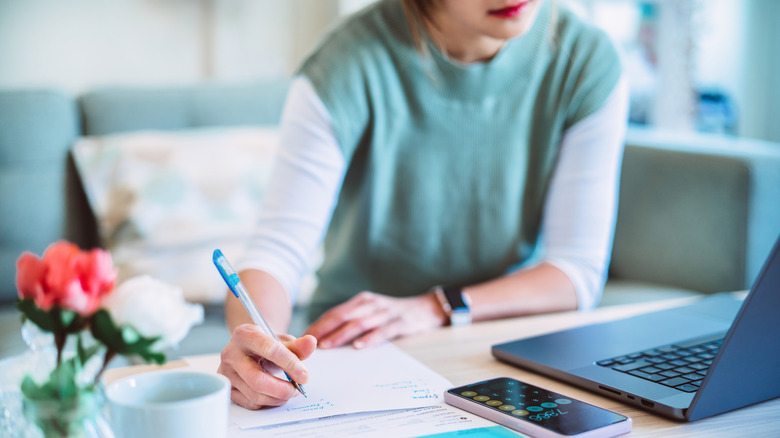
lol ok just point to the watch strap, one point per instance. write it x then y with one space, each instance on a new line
455 304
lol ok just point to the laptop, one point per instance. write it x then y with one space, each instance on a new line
690 362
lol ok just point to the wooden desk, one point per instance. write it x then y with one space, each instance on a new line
462 355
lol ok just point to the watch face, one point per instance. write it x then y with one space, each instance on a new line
460 317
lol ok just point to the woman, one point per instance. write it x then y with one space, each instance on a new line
473 144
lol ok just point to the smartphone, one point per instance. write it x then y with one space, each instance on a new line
536 411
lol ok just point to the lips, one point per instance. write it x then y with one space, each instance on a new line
509 11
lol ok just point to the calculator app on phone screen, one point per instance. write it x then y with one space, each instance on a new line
517 402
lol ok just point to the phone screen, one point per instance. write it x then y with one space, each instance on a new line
544 408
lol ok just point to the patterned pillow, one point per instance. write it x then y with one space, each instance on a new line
165 200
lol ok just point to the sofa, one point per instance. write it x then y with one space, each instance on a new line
697 213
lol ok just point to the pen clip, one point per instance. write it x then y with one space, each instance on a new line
226 271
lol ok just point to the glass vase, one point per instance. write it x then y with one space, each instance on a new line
71 407
37 361
79 417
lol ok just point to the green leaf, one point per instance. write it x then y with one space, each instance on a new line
61 384
32 391
55 320
124 340
150 356
63 380
104 330
67 317
44 320
130 335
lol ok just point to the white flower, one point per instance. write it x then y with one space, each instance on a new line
153 308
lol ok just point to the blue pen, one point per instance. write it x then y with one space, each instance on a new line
234 283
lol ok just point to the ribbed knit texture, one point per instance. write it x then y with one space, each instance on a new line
448 165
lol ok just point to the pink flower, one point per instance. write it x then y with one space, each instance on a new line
66 277
29 272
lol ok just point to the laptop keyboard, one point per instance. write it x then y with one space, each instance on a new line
681 366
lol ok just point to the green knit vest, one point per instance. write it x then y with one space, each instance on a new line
448 164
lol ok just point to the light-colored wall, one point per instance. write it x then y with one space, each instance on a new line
247 39
79 44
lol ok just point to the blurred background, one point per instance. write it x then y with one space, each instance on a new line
708 66
698 208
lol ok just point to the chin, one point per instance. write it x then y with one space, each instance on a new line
509 31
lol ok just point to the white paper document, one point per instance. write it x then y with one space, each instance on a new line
349 381
431 420
361 393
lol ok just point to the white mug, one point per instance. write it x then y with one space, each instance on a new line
169 403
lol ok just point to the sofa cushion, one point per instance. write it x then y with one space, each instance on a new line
697 212
165 200
706 199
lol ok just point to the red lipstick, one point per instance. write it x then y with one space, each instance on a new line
510 11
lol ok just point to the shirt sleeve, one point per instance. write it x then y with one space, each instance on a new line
581 207
301 194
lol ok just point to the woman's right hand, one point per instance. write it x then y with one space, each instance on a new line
251 358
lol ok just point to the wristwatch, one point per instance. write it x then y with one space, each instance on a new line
455 304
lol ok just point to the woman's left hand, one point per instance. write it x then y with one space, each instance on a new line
369 319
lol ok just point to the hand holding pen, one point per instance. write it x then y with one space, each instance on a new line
253 387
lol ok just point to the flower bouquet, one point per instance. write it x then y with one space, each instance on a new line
70 293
